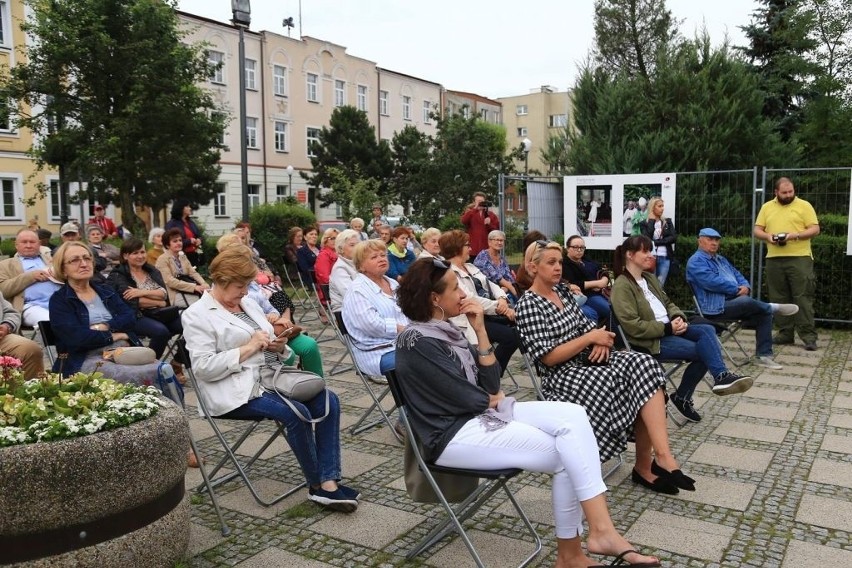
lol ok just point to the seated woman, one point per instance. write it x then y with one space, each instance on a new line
622 391
184 284
493 264
370 312
306 255
325 261
343 272
141 285
229 341
463 419
523 279
357 225
584 274
399 255
304 346
431 246
155 237
653 323
88 318
295 236
455 248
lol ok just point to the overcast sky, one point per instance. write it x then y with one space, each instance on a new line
494 48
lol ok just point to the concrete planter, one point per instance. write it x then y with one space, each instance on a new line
113 498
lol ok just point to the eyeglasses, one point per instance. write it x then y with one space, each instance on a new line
78 260
442 267
439 262
580 248
498 240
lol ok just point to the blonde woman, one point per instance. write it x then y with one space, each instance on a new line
661 231
429 240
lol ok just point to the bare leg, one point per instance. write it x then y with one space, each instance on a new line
651 431
569 554
603 537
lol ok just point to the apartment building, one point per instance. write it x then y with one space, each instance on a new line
537 115
405 100
470 104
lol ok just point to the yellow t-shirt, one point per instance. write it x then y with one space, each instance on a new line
792 218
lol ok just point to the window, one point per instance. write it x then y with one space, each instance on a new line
510 202
253 195
312 139
466 111
280 136
279 80
483 114
522 202
5 35
339 93
224 119
312 88
406 108
5 116
362 97
217 59
522 131
251 74
521 110
427 112
251 132
558 121
219 209
10 198
281 192
54 199
383 103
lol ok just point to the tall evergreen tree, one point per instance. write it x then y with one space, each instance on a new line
411 150
111 90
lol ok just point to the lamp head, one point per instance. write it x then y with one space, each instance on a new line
242 12
527 145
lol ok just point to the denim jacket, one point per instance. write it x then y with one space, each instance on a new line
714 280
69 320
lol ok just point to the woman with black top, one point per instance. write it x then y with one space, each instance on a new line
662 233
583 273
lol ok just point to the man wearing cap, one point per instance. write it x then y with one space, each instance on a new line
106 224
26 278
787 224
69 232
724 293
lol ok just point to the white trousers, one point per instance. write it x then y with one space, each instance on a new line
32 314
546 437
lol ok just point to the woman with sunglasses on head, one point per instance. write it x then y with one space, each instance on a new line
622 391
464 420
584 274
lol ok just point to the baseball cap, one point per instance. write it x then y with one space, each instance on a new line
709 232
69 228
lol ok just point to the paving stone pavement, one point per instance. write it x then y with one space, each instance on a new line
773 469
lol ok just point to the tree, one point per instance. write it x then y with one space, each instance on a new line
556 152
631 34
112 92
411 152
349 144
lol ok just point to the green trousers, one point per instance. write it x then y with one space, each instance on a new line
791 280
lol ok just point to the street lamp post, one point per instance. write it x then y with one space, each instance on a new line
290 175
527 147
242 18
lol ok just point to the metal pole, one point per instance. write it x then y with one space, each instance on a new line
243 136
290 185
501 202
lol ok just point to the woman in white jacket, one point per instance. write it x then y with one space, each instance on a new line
229 340
343 272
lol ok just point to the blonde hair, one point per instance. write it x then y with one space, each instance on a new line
229 240
651 205
233 264
329 233
363 250
62 252
356 221
429 233
344 236
534 252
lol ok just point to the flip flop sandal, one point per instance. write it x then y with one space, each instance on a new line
621 561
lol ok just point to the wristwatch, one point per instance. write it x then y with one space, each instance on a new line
487 352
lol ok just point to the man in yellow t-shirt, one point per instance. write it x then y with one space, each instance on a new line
787 224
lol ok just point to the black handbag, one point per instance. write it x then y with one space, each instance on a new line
164 314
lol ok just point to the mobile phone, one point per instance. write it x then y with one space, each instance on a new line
285 333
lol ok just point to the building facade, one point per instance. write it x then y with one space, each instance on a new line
470 104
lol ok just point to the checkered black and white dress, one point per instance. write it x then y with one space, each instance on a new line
612 394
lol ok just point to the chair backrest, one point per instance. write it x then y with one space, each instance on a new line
47 335
396 392
338 318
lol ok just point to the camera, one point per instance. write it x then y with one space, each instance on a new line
485 204
780 239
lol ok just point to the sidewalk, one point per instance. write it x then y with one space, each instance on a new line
773 469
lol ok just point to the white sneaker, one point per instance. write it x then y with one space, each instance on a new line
785 309
768 362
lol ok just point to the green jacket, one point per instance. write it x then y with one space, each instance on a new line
635 315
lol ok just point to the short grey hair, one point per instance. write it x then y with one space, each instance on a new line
344 236
154 232
356 221
430 233
496 233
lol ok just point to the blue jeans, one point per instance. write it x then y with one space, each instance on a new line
388 361
699 345
158 332
662 271
317 448
599 306
753 313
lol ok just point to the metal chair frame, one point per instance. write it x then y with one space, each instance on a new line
495 480
725 329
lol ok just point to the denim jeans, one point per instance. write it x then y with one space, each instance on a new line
662 271
599 305
158 332
388 362
316 448
506 340
699 345
752 313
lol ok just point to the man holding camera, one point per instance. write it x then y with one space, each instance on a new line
479 221
787 224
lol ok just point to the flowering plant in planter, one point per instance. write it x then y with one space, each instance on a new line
52 408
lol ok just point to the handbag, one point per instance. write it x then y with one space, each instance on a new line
583 358
455 488
164 314
292 383
130 355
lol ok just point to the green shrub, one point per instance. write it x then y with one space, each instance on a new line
834 225
450 222
269 226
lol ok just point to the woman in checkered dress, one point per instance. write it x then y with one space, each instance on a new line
623 394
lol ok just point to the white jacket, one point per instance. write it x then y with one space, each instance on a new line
213 337
466 284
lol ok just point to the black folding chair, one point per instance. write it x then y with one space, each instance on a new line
725 329
339 366
495 480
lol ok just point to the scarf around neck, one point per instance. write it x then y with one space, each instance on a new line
396 252
448 333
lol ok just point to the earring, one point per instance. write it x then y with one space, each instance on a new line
443 314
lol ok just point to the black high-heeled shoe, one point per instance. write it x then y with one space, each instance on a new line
659 485
676 477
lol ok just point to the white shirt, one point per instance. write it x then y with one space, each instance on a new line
660 313
342 274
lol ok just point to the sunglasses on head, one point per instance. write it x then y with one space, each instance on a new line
543 243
